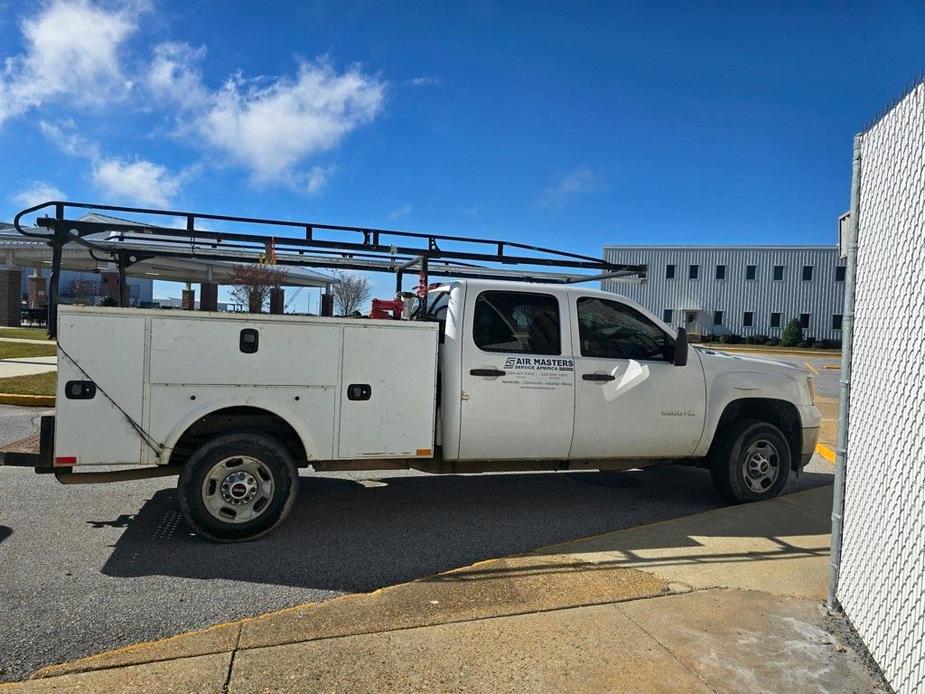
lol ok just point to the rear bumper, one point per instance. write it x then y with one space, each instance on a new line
808 446
41 460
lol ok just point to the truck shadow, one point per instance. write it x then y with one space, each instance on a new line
348 535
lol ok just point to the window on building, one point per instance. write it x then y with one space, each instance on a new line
693 272
750 271
666 315
836 321
778 272
669 272
611 330
804 320
807 273
717 318
747 318
720 272
775 320
839 273
516 322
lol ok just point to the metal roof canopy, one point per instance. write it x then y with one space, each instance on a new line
378 250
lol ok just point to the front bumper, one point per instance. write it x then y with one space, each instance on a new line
43 459
808 445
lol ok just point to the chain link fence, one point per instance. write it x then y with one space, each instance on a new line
881 571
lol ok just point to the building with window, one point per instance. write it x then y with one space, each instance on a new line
741 290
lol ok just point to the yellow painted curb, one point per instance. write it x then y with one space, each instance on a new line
826 452
27 400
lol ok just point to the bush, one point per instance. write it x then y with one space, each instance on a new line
730 339
761 339
773 341
750 339
793 334
707 337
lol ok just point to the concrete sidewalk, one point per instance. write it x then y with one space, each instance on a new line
27 366
727 600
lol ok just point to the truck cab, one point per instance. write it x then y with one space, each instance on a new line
533 372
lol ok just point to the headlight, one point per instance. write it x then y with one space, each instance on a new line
811 387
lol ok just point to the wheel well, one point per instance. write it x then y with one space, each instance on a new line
780 413
237 418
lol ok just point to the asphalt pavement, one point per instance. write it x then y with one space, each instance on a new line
89 568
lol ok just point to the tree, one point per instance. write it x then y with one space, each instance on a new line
252 284
351 291
793 334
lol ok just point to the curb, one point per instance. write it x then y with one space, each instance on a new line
27 400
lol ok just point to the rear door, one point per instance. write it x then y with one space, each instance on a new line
631 400
517 377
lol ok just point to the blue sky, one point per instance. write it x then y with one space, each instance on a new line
572 126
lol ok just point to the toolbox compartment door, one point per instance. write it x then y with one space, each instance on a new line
388 391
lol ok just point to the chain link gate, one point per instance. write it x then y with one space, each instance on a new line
879 574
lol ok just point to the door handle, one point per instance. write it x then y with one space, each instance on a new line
599 377
487 372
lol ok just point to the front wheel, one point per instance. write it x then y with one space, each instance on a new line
751 462
237 487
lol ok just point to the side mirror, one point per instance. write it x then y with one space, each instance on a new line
680 348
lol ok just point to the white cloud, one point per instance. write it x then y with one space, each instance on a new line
317 178
424 81
271 127
138 181
65 138
37 192
174 74
577 182
400 212
72 48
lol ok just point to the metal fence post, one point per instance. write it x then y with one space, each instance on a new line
844 402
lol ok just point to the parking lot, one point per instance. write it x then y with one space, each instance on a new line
89 568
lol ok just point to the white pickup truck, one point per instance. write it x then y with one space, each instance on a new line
492 376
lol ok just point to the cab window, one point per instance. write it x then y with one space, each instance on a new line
611 330
516 322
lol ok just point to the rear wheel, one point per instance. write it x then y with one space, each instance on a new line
237 487
751 462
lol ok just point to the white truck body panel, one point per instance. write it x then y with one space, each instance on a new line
167 369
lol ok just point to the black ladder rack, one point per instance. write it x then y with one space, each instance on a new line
353 248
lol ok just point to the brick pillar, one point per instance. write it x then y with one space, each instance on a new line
188 301
208 296
38 297
109 287
277 300
327 304
10 296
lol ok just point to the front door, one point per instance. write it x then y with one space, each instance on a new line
517 377
631 401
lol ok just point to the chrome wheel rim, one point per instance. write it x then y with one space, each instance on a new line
761 467
237 489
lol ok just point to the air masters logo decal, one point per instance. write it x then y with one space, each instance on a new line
543 373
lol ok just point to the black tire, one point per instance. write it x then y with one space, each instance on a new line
741 451
273 479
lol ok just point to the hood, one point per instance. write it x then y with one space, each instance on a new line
737 362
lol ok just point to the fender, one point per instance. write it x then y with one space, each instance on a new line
725 387
257 398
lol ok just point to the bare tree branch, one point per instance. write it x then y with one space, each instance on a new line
252 284
351 291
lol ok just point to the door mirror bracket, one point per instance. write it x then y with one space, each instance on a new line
680 348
